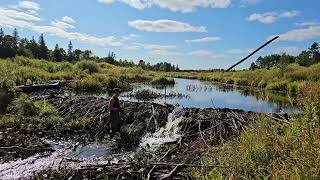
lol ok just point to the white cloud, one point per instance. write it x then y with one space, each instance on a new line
16 18
311 32
162 52
239 51
68 19
174 5
106 1
87 38
205 39
200 53
292 50
130 37
165 25
151 46
65 23
29 5
271 17
62 25
303 24
250 1
207 54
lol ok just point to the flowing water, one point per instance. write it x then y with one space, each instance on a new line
72 155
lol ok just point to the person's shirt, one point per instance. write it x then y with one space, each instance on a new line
114 103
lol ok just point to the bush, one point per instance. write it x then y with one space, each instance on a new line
24 106
242 82
87 84
163 81
278 86
89 66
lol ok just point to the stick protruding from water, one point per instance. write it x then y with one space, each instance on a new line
264 45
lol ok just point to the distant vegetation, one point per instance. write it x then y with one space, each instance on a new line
12 46
275 72
305 58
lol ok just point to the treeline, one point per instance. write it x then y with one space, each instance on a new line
12 46
305 58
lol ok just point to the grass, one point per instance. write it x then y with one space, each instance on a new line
83 75
289 78
272 150
23 113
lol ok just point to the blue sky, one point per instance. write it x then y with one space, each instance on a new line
195 34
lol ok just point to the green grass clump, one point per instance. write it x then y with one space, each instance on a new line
162 81
89 66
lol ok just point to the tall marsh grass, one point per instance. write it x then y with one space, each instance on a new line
83 75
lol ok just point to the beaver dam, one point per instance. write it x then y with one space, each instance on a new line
157 141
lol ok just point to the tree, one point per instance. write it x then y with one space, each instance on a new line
70 52
7 48
314 53
34 48
111 58
77 54
56 54
303 59
253 66
23 48
43 49
1 41
87 54
1 33
16 37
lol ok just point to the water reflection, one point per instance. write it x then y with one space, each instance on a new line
207 94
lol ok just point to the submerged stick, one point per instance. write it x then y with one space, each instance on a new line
264 45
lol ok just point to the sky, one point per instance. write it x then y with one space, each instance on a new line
193 34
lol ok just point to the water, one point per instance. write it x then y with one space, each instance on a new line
203 94
167 134
72 155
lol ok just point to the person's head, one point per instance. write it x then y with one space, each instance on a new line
116 91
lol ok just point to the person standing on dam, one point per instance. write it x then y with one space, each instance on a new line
115 109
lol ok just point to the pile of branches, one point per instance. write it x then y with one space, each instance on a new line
148 116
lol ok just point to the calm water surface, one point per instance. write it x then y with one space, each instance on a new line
203 94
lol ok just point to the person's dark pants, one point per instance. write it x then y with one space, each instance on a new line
115 123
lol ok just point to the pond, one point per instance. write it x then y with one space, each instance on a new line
202 94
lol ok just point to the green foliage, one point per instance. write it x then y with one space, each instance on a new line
89 67
272 150
162 81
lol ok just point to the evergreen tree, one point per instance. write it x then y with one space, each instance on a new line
23 49
70 52
56 54
43 49
87 55
16 37
77 54
1 33
34 48
314 53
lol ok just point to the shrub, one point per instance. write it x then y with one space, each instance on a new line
89 66
24 106
88 84
242 82
278 86
162 81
